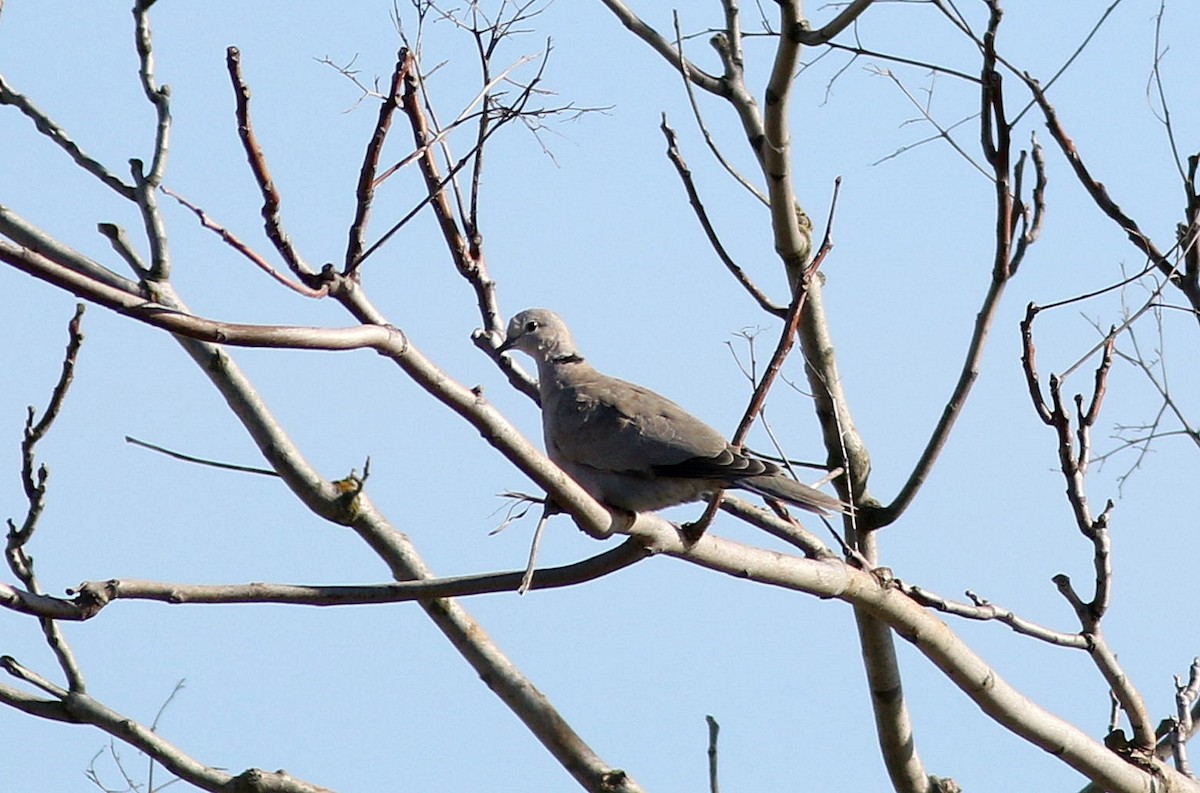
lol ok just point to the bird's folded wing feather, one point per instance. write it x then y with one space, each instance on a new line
613 425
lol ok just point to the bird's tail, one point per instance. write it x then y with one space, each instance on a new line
800 495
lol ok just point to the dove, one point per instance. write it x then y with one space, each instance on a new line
631 448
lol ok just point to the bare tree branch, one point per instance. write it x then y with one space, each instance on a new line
659 44
92 596
1187 283
366 177
685 176
34 483
272 220
844 19
57 135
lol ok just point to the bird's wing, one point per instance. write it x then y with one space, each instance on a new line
612 425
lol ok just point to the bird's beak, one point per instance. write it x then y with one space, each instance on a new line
507 344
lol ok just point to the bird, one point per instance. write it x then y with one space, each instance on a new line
630 448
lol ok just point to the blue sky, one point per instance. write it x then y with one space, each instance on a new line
373 698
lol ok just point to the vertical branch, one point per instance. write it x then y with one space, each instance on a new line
146 183
714 730
156 231
1186 695
792 231
845 448
34 483
1189 235
1073 451
158 96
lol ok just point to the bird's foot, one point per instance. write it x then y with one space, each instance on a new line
692 532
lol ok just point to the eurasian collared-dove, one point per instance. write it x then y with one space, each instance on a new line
629 447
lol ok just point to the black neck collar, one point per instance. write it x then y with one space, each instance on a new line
570 357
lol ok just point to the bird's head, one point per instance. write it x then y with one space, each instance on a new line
540 333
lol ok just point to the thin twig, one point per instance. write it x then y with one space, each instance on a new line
732 41
943 133
230 239
984 611
365 192
787 337
187 458
685 175
1190 287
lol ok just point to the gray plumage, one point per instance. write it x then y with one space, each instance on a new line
629 447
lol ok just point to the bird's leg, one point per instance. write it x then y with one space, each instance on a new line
691 532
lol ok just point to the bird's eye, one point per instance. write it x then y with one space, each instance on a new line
531 326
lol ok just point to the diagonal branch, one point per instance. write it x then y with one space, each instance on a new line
353 508
366 176
1189 286
272 220
843 20
58 136
689 185
788 335
659 44
230 239
1008 252
79 708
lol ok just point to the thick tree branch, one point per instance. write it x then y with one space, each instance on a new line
354 509
792 242
843 20
825 578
